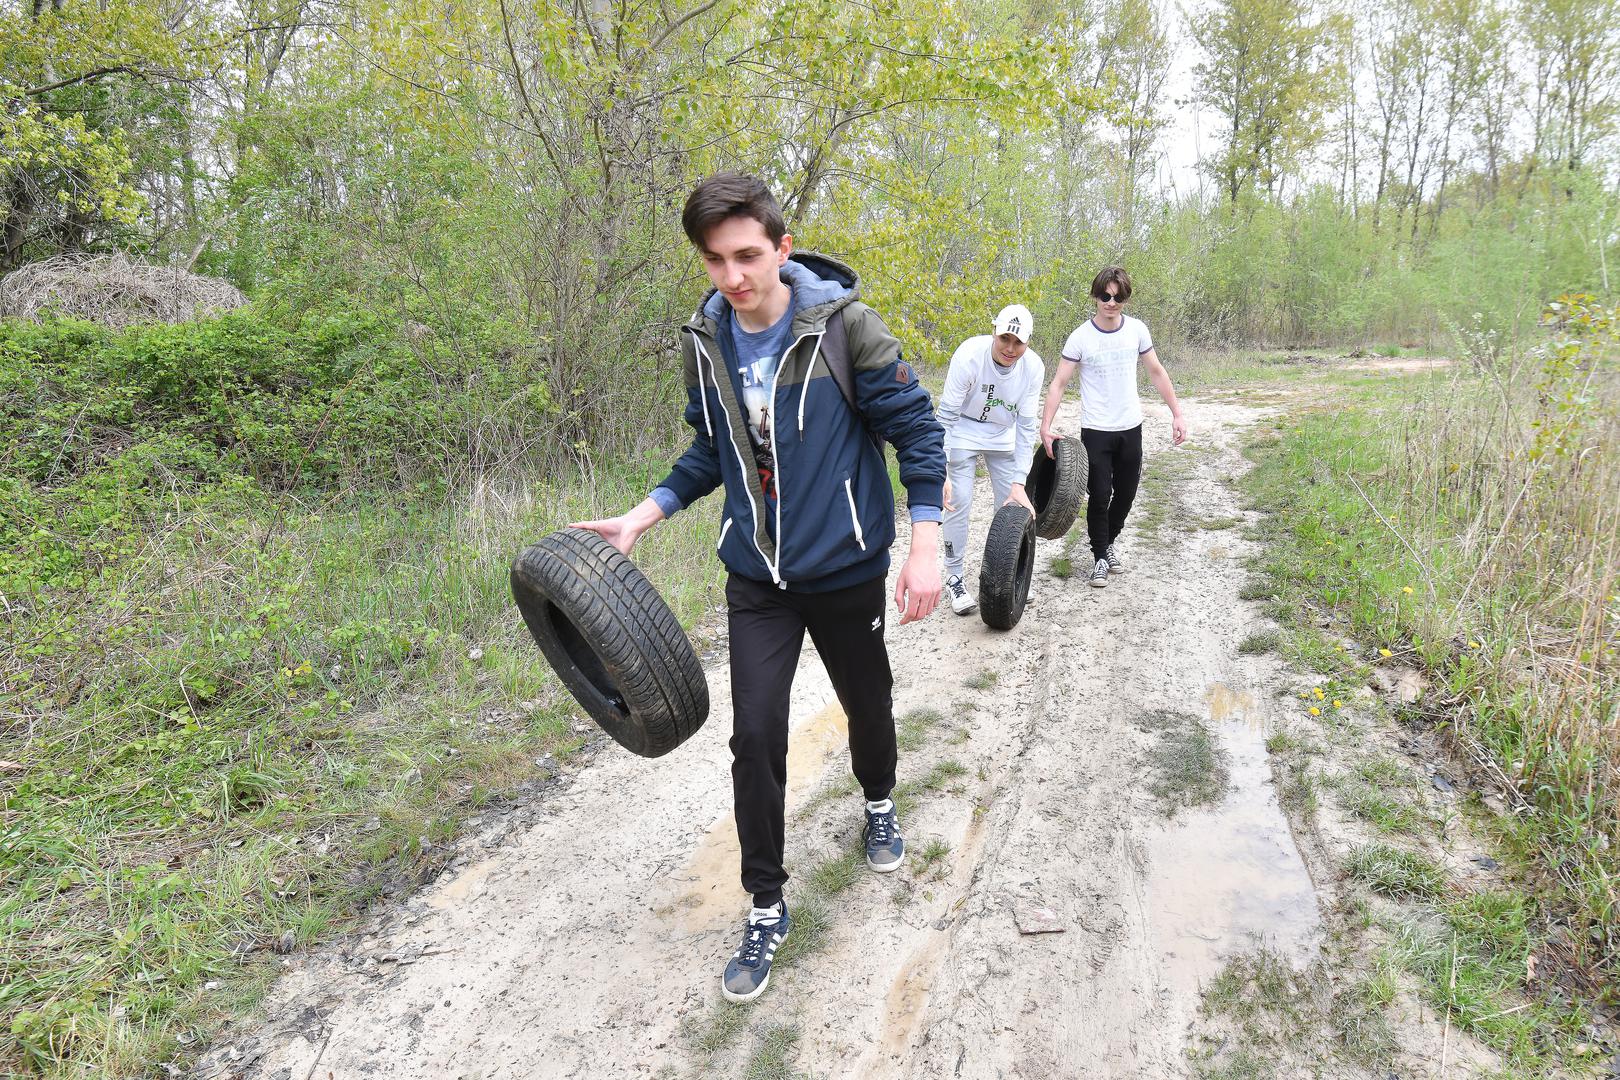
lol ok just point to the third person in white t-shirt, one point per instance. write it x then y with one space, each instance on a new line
991 393
1105 350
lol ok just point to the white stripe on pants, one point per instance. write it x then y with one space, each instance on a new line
961 465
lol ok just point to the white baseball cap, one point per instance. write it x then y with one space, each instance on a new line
1016 320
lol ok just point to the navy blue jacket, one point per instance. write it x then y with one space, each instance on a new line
834 516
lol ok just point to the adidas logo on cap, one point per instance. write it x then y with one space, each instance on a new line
1016 320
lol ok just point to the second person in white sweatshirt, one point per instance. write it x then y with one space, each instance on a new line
990 407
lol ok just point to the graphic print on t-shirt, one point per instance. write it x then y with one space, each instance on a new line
1108 361
991 401
756 376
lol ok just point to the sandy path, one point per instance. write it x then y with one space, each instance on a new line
591 944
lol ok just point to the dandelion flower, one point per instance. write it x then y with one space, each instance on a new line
1385 652
1337 704
1317 690
1315 711
1473 644
1407 589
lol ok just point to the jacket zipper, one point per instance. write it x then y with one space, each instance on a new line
854 518
776 571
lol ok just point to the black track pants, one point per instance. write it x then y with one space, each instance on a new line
767 630
1114 462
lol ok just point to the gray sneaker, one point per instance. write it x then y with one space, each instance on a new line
885 847
1099 574
1116 565
749 968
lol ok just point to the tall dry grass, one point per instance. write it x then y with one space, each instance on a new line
1468 520
1510 500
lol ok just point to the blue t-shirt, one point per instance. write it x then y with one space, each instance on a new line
758 357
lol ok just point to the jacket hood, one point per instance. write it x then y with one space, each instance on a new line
821 285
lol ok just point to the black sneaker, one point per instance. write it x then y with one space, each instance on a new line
885 847
749 968
1099 574
1116 565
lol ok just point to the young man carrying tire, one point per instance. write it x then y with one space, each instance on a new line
807 520
992 391
1105 351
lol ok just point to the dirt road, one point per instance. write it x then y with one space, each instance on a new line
591 944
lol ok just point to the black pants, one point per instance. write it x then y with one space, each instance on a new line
767 630
1114 463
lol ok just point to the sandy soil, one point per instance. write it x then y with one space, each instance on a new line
590 942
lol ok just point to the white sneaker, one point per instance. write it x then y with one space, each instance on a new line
961 602
1099 574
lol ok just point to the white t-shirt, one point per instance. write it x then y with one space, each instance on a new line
988 407
1107 359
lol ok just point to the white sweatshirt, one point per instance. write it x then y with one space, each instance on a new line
988 407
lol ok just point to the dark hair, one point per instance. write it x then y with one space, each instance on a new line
1111 275
728 195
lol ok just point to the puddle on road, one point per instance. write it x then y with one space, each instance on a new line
1223 879
1225 703
707 892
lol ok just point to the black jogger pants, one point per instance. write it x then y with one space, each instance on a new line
767 630
1114 469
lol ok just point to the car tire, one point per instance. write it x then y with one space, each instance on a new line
1057 488
1008 565
612 640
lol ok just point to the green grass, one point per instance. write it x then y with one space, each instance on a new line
930 855
1276 1016
720 1028
1357 1017
1384 810
1395 872
1282 742
984 680
1297 793
256 726
943 776
1387 502
1160 504
1261 641
1469 956
773 1057
912 729
1187 766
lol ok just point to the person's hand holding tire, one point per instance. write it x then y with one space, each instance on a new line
623 531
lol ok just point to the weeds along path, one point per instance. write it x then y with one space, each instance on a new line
1098 772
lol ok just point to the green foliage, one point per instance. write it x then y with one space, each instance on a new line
65 147
1435 520
1269 74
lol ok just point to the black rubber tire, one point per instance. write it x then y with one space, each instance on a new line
1008 565
1057 488
612 640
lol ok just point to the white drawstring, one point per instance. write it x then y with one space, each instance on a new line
702 397
809 371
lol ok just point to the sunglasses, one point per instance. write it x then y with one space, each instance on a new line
1110 298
